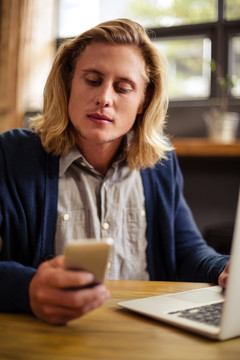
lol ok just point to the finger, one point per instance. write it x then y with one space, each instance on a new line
70 279
95 304
227 268
51 276
222 280
65 277
84 298
56 262
59 315
79 311
72 299
56 315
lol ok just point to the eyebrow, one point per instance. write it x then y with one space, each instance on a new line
97 72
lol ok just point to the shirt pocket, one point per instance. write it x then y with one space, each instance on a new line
73 224
133 225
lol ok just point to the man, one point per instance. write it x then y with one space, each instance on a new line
96 164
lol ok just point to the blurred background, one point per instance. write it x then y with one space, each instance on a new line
194 35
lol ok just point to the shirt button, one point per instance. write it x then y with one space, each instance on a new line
109 266
83 164
105 226
143 212
66 217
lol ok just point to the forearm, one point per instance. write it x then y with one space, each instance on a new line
202 264
196 261
212 266
14 285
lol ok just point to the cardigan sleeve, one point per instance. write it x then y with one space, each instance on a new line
196 261
28 207
176 249
14 284
14 276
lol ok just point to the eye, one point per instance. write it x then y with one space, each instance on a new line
93 82
123 88
92 79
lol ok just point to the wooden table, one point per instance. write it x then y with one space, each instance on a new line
111 333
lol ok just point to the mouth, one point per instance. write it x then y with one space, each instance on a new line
99 118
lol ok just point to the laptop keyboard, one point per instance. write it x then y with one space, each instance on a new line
208 314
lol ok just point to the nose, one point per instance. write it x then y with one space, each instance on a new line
105 96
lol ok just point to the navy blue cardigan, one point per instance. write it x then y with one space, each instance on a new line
28 212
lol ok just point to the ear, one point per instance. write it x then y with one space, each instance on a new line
143 105
140 109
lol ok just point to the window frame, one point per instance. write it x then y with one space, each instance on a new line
220 32
189 123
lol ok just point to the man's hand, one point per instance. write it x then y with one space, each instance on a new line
222 280
53 297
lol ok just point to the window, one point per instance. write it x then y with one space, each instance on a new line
155 13
232 9
234 61
213 26
189 69
77 16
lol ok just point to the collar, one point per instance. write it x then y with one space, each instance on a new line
66 160
74 155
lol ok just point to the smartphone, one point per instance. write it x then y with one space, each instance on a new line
89 254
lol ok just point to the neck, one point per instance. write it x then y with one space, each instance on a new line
100 156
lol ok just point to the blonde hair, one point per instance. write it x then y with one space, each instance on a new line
148 144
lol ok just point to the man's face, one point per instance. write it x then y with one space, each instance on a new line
107 93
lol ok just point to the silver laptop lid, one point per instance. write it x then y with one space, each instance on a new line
230 325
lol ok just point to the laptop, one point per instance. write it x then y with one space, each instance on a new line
207 311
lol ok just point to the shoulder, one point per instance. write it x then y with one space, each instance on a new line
163 168
165 178
19 144
18 137
22 148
